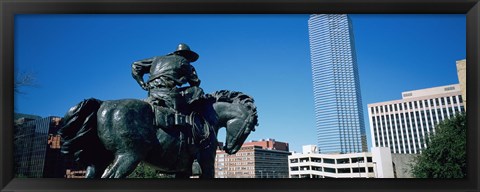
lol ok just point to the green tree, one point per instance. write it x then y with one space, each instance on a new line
445 156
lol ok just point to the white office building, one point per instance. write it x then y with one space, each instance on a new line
311 164
404 125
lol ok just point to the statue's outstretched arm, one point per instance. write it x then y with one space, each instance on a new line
139 68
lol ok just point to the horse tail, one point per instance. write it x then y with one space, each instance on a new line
79 131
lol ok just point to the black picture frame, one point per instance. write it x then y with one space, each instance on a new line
9 8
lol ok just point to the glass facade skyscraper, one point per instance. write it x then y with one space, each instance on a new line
37 148
336 86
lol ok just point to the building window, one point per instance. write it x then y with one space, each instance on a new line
329 161
358 160
369 159
358 170
370 169
305 168
304 160
343 161
344 170
329 170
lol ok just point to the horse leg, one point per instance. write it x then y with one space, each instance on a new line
187 171
208 168
91 172
95 170
206 159
123 165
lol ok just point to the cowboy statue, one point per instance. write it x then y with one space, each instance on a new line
171 102
176 124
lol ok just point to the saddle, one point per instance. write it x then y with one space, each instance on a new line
193 125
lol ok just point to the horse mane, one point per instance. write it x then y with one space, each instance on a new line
236 97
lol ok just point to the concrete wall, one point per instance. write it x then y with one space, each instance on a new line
402 164
382 157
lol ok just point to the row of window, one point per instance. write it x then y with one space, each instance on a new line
412 128
331 161
333 170
442 101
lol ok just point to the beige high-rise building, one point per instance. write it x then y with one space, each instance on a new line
462 78
403 125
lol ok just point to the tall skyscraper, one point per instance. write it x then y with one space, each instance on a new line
338 103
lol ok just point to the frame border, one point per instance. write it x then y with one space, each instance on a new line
8 9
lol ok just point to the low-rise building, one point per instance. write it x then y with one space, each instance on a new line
256 159
311 164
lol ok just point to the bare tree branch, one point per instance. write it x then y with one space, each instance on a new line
24 79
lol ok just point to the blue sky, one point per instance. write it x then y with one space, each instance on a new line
74 57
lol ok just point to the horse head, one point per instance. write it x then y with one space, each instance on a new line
238 114
237 134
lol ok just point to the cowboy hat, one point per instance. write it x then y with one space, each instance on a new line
184 50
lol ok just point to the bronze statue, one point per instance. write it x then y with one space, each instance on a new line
169 130
166 74
171 102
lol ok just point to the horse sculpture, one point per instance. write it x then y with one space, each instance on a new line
112 137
